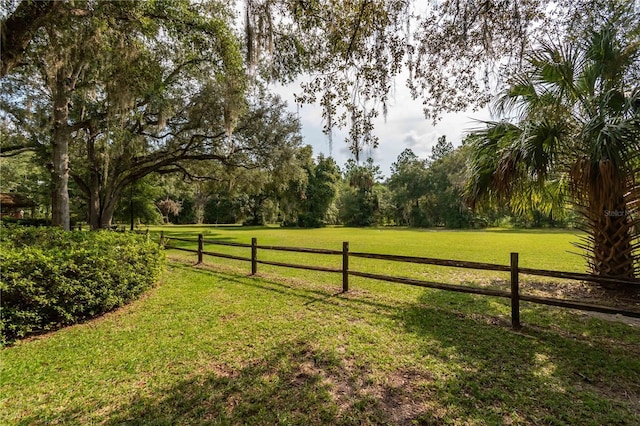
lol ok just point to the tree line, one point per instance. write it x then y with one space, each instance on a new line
298 189
104 96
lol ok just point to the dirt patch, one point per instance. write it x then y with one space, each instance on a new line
228 317
393 398
583 291
588 293
396 397
577 291
633 322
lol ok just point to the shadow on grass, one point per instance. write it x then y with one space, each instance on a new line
294 384
489 374
537 376
575 370
287 386
467 367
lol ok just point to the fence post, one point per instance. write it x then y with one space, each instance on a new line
515 293
254 256
345 266
162 239
200 248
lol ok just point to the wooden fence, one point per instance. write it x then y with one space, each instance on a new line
513 268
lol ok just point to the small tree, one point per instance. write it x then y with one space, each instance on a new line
169 207
359 201
320 193
410 184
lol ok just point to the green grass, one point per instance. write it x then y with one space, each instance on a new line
541 249
210 347
550 249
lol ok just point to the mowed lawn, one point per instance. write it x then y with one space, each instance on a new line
544 248
213 345
540 249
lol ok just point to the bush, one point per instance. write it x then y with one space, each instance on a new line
51 278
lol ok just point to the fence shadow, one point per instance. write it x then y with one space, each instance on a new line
464 369
577 373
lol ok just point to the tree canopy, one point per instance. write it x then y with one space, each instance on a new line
452 54
574 122
133 88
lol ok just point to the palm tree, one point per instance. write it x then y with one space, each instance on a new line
575 119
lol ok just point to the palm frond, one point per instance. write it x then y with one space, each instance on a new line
486 144
541 146
577 108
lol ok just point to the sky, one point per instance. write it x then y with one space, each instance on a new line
404 127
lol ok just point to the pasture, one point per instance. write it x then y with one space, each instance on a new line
213 345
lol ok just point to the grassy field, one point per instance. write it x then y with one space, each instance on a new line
212 347
542 249
551 249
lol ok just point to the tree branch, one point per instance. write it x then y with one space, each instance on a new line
19 28
81 184
356 28
13 150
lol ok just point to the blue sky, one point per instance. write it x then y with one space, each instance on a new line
405 127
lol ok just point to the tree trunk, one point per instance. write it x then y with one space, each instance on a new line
94 203
109 206
60 155
613 245
94 186
200 199
610 239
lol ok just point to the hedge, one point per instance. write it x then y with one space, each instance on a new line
51 278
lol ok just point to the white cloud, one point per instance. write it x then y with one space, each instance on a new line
404 127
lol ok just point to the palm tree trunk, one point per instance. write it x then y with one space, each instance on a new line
612 251
611 238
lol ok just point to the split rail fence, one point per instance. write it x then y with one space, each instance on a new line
513 268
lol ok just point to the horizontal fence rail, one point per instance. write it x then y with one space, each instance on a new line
513 268
432 261
300 250
431 284
225 243
292 265
577 276
187 240
227 256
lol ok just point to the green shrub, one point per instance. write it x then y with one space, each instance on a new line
51 278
